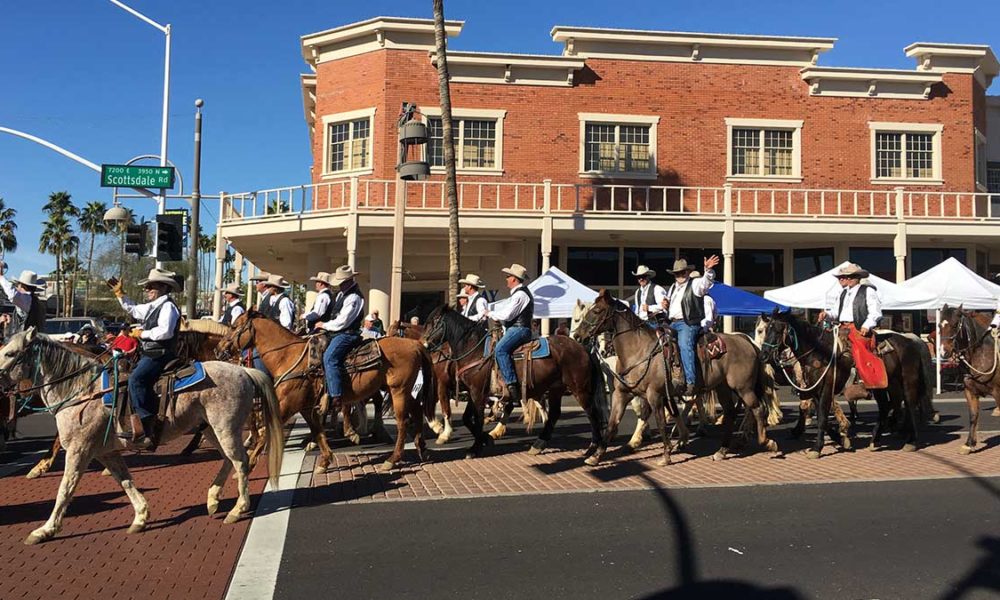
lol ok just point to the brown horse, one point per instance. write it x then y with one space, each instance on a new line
444 374
968 336
567 368
300 390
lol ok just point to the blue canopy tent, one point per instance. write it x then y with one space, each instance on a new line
734 302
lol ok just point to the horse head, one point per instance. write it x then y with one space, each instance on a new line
772 334
956 330
594 319
240 336
579 309
15 358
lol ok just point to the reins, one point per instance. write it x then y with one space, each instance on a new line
972 347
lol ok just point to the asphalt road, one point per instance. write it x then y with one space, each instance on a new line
924 539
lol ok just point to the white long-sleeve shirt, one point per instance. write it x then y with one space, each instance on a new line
659 295
710 312
237 310
996 317
320 304
517 302
165 324
872 300
350 310
478 301
699 286
21 300
286 310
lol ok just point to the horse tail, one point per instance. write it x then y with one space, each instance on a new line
767 393
598 391
428 393
273 427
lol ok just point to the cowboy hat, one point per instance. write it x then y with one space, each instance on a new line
161 276
262 276
681 265
30 279
321 277
517 271
644 271
276 281
852 271
342 274
473 280
232 289
463 294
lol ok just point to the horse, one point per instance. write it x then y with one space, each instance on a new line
302 390
567 368
74 395
638 348
826 362
444 375
968 337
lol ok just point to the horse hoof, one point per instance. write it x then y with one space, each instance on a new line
498 431
213 507
533 451
719 456
662 461
846 443
812 454
386 466
33 539
592 461
105 473
629 448
231 518
936 417
319 470
311 446
355 439
872 447
33 474
435 427
136 527
965 450
909 447
772 446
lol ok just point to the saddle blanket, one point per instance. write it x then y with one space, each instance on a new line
541 350
182 383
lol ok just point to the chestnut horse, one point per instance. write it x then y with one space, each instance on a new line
303 391
444 372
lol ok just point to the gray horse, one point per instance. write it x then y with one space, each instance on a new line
72 393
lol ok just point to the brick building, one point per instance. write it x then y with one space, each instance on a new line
636 147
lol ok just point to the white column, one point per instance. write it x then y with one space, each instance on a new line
728 266
899 250
546 245
220 257
352 225
380 278
396 279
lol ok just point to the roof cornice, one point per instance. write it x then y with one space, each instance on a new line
977 59
374 34
510 68
870 83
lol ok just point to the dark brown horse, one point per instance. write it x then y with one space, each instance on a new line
968 337
567 368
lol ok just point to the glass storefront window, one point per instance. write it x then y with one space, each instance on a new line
877 261
660 260
810 262
595 267
760 268
922 259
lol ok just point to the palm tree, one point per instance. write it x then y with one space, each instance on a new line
8 241
206 248
276 207
92 222
441 41
57 238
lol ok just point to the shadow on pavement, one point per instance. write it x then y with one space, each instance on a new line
30 512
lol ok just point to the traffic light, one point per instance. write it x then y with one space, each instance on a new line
135 239
169 237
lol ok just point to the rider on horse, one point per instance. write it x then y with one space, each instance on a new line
280 307
859 310
475 306
516 315
323 303
648 299
686 311
711 310
234 304
345 327
263 307
29 309
159 320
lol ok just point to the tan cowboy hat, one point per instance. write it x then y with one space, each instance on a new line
473 280
681 265
644 271
851 270
161 276
321 277
276 281
30 279
695 274
463 294
517 271
342 274
233 289
262 276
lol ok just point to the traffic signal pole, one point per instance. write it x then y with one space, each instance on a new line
193 234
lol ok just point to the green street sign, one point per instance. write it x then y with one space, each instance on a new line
137 176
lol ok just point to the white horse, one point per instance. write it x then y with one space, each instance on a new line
72 393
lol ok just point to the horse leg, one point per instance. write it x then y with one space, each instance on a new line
800 425
619 399
45 464
755 406
349 431
643 412
399 407
661 423
589 404
417 423
195 441
445 432
315 424
843 424
972 401
76 462
911 401
236 455
555 411
114 463
882 401
822 405
725 396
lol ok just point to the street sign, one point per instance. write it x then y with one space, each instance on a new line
183 212
135 176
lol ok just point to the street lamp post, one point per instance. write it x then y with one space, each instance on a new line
192 278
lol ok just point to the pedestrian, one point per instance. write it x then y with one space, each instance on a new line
24 293
368 331
377 322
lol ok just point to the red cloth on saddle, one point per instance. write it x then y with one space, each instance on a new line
124 343
869 366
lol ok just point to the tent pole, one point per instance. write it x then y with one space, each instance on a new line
937 344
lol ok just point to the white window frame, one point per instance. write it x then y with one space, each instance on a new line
616 119
353 115
795 126
876 127
979 153
481 114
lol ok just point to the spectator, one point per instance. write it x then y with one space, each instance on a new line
368 331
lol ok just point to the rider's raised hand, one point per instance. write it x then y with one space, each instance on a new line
711 261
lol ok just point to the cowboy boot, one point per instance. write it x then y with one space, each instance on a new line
153 427
513 394
137 432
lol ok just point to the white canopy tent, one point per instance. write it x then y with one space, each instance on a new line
822 291
555 295
953 283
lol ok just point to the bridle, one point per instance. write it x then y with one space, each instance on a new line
437 332
964 329
783 343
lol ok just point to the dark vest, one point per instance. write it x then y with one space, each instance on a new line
860 307
158 348
471 306
692 306
650 296
328 313
227 317
264 304
524 319
35 317
273 310
355 325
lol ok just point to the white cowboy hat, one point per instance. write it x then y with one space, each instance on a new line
369 317
342 274
161 276
262 276
463 294
232 289
517 271
473 280
276 281
321 277
695 274
681 265
644 271
851 270
30 279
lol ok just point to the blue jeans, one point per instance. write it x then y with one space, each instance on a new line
687 337
511 340
140 385
333 360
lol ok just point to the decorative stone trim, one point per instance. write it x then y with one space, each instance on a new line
869 83
514 69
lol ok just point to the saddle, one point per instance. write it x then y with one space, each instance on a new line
364 357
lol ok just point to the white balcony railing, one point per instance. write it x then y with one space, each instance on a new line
378 195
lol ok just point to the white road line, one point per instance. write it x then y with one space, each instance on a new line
256 573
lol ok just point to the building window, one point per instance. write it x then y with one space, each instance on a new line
922 259
877 261
906 153
617 145
696 257
660 260
810 262
595 267
478 136
760 268
348 146
982 166
993 178
764 150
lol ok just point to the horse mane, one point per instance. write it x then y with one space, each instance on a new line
805 331
205 326
456 328
61 361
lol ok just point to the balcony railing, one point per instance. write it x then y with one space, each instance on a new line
379 195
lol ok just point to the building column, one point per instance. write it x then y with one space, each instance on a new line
352 225
546 244
380 278
728 265
220 258
396 276
899 249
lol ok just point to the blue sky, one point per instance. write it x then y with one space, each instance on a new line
88 76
